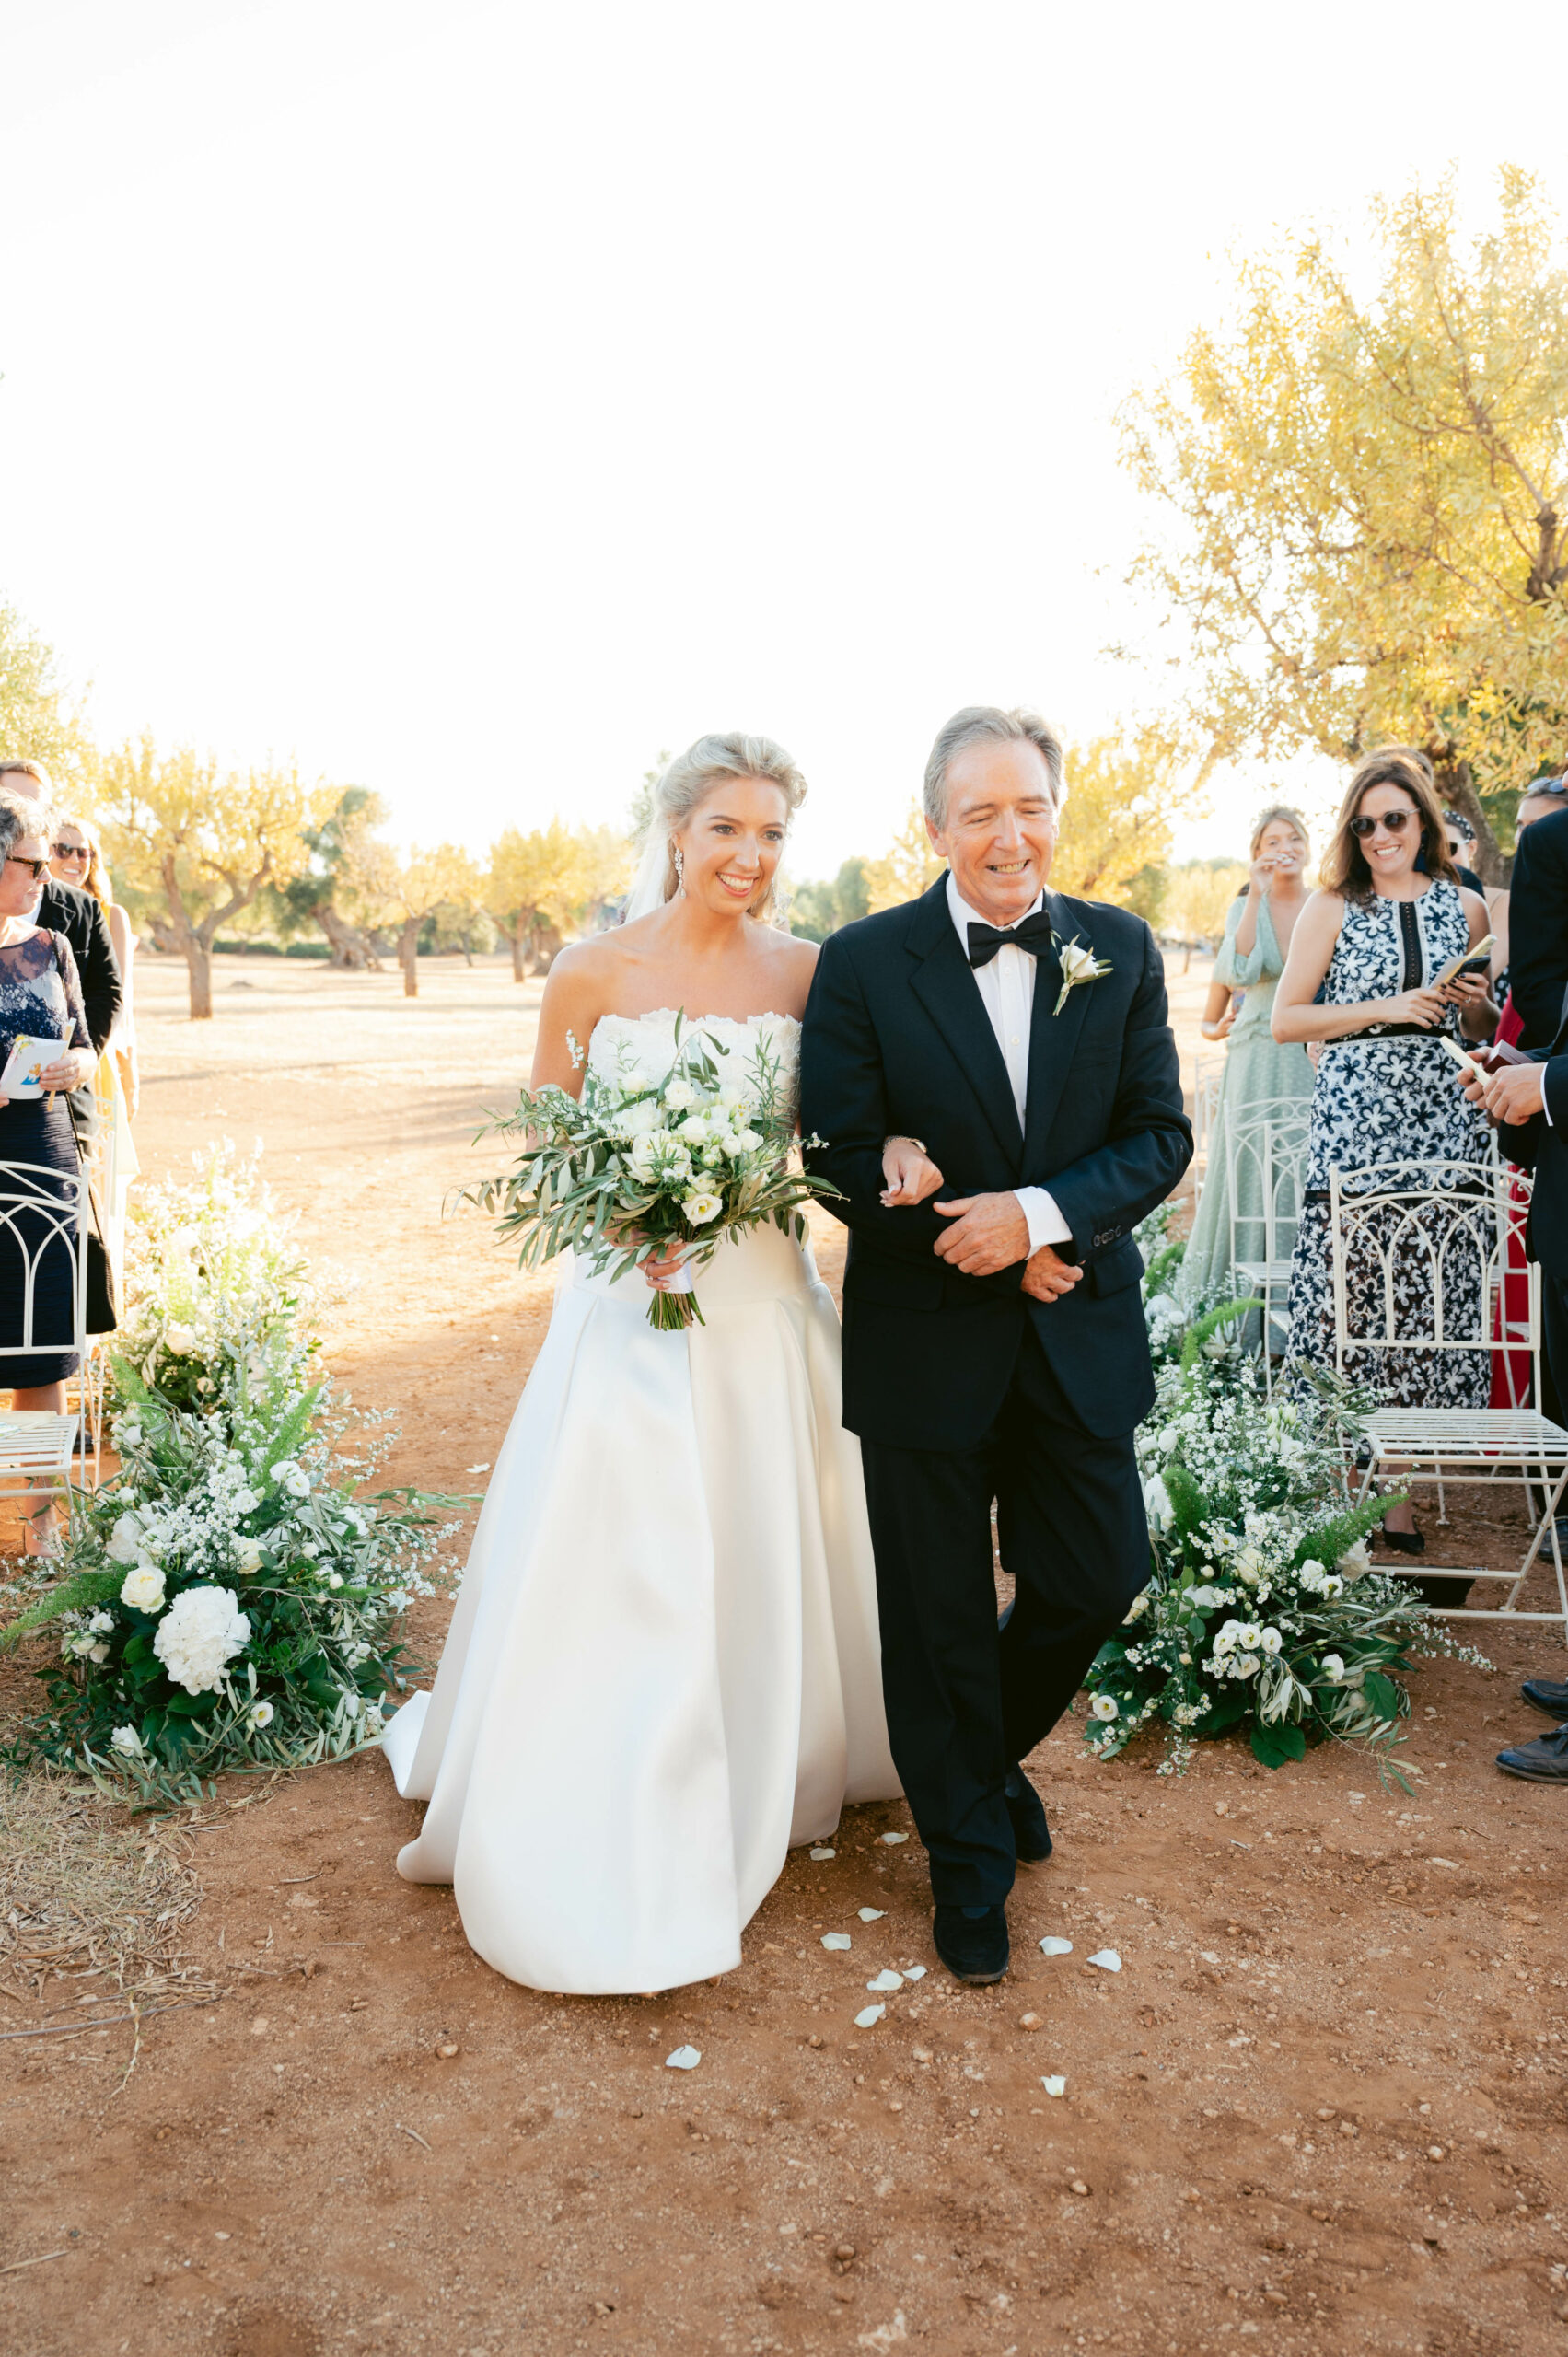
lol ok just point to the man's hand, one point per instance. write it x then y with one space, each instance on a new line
1047 1277
1511 1094
989 1232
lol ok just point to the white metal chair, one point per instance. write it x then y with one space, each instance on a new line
1208 1079
1444 1245
43 1214
1265 1153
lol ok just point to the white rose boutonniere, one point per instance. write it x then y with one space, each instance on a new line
1079 964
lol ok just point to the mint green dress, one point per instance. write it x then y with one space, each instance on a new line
1257 1067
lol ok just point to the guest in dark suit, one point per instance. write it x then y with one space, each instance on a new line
1529 1101
993 1342
1538 919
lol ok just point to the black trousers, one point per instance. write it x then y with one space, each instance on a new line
1554 1346
965 1697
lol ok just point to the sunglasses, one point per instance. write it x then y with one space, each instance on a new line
35 867
1396 821
72 850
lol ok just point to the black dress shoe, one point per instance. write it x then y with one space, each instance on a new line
1031 1835
1544 1762
972 1943
1548 1694
1402 1542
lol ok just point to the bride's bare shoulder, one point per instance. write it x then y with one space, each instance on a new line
794 962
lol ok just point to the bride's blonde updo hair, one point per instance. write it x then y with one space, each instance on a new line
686 784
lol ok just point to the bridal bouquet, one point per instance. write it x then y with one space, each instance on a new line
637 1168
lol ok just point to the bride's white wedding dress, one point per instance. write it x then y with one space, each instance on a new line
663 1668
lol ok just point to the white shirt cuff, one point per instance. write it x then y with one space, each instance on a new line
1545 1107
1045 1221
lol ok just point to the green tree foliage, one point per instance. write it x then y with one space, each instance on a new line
38 722
817 910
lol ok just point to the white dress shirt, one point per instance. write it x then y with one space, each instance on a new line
1007 986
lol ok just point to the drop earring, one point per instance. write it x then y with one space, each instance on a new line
679 870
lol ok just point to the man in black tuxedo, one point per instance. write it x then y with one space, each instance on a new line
1530 1103
993 1344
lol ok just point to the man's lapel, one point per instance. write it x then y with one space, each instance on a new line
947 990
1052 1036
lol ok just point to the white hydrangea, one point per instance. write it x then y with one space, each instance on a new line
143 1589
202 1630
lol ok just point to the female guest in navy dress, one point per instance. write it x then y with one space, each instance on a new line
39 994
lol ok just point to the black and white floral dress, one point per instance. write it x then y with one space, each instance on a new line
1389 1097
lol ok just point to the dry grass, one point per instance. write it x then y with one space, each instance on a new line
85 1893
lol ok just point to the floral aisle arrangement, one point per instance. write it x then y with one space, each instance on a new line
231 1599
1263 1613
636 1170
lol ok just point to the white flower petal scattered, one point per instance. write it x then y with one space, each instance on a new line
893 1838
886 1980
868 2014
820 1856
685 2058
1055 2086
1051 1946
1108 1960
872 1914
837 1940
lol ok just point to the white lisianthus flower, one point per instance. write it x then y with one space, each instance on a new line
703 1206
247 1555
1104 1706
1271 1643
1156 1505
1355 1561
127 1742
202 1630
1205 1600
1312 1573
262 1715
1333 1585
143 1588
180 1340
374 1722
1248 1636
125 1540
334 1579
1224 1641
746 1140
695 1129
1246 1665
680 1096
102 1624
1333 1667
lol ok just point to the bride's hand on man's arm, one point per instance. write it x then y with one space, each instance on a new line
908 1171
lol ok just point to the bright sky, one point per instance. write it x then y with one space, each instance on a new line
470 400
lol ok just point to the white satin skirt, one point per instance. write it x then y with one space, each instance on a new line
664 1665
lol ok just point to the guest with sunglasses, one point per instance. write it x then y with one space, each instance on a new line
76 859
39 994
1371 941
77 915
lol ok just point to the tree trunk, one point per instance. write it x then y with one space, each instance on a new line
349 947
407 955
546 944
1455 791
198 958
520 955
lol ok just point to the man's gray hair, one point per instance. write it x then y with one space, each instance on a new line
970 726
19 816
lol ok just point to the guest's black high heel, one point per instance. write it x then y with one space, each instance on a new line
1403 1542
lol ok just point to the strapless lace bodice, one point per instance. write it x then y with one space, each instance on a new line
641 1047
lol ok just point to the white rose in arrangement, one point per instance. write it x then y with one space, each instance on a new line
125 1540
638 1120
262 1715
1355 1561
695 1129
102 1624
180 1340
127 1742
247 1555
79 1646
680 1096
202 1630
292 1477
143 1589
1205 1600
702 1207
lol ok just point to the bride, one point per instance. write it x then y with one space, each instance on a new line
663 1668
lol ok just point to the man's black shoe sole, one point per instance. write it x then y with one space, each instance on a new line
1534 1775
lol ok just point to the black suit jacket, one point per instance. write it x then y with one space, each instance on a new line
898 1041
79 917
1537 928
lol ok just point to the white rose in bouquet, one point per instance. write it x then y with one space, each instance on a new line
680 1096
638 1120
143 1589
180 1340
125 1540
202 1630
247 1555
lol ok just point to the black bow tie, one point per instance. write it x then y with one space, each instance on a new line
1032 934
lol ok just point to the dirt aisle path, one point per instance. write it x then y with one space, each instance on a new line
1319 2106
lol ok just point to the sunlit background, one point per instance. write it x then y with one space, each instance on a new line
472 401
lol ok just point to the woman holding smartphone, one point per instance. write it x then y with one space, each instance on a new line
1374 939
1257 936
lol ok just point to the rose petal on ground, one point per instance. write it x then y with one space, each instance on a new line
685 2058
836 1940
1054 2087
886 1980
914 1972
892 1839
1108 1960
1051 1946
868 2014
871 1914
821 1855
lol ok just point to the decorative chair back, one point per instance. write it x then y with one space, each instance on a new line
1265 1144
1421 1255
1208 1079
43 1213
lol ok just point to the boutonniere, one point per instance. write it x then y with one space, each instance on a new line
1078 964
